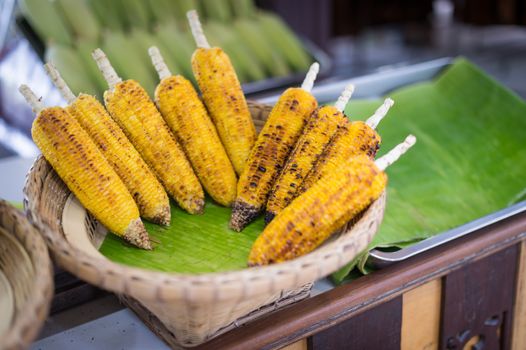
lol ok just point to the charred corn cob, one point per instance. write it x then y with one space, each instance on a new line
142 184
274 144
351 139
130 106
316 135
83 168
186 115
223 97
312 217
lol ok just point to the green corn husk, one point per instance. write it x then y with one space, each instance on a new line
469 160
80 18
285 41
218 10
44 17
179 44
129 60
84 49
243 8
260 46
242 59
109 13
73 69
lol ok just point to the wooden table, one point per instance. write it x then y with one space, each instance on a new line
471 291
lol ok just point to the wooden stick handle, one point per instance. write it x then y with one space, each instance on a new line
393 155
308 83
158 62
197 29
105 67
380 113
32 99
344 97
59 82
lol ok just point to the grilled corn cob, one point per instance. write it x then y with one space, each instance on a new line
312 217
186 115
83 168
274 144
351 139
142 184
316 135
223 97
131 107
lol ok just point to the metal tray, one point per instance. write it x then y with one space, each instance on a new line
387 78
380 259
379 84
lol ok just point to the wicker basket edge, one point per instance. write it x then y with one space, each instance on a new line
30 318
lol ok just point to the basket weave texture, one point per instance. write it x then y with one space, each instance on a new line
24 260
190 308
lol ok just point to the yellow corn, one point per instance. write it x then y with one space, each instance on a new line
83 168
226 103
351 139
274 144
223 97
123 157
312 217
316 135
131 107
187 117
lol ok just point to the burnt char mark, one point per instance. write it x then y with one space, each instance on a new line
242 214
269 216
294 105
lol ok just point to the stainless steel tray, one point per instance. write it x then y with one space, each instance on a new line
380 84
377 84
380 259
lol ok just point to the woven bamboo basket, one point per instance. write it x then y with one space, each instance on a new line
185 310
26 284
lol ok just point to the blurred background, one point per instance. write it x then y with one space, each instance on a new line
271 43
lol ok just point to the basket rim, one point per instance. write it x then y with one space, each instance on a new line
29 319
286 275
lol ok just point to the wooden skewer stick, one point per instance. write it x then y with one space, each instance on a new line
36 104
197 30
380 113
59 82
105 67
308 83
344 97
393 155
158 62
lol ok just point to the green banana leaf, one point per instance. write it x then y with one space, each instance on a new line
469 159
191 244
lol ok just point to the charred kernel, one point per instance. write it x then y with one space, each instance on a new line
188 118
225 102
141 121
320 128
88 174
273 147
149 194
348 141
299 229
